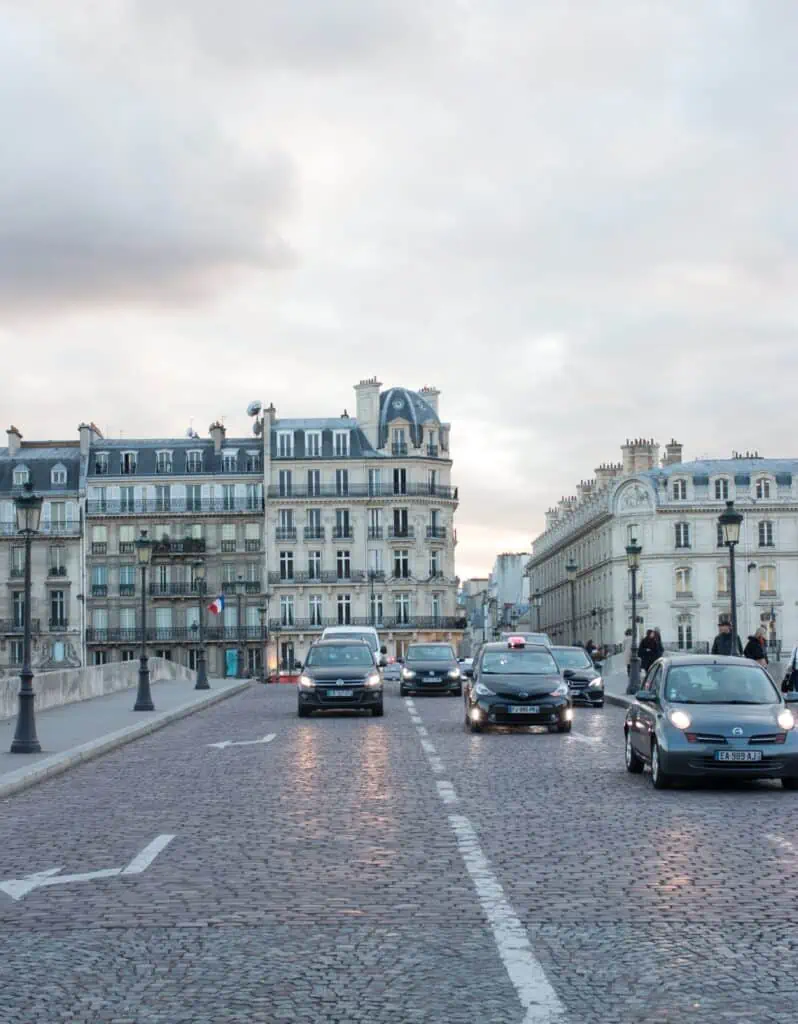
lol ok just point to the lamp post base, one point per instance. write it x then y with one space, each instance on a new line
25 740
634 676
202 676
143 696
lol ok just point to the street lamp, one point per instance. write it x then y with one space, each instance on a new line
633 550
730 522
242 671
202 670
263 612
28 510
144 697
571 570
537 601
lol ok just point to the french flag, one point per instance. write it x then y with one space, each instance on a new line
217 607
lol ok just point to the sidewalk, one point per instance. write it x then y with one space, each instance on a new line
615 689
81 731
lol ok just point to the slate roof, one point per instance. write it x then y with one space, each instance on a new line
40 462
402 404
742 470
359 446
146 455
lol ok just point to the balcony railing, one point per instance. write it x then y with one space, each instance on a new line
314 533
228 546
16 572
247 586
398 449
187 546
252 545
401 532
127 589
11 626
99 548
324 576
684 595
180 588
767 593
436 533
375 533
144 506
284 533
343 533
173 634
56 625
8 528
57 570
432 450
126 547
357 490
99 590
163 467
382 623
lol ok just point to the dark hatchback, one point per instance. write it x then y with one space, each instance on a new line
517 685
339 675
585 684
431 668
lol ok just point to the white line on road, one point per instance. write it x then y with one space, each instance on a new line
585 739
242 743
436 763
429 747
422 730
526 973
446 792
783 844
83 876
143 860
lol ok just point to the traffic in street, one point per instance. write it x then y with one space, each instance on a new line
350 868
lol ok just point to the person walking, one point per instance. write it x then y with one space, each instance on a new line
723 643
790 681
649 650
756 648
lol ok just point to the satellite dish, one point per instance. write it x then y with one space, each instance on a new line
257 427
254 408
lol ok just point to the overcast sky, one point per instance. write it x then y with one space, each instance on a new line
577 218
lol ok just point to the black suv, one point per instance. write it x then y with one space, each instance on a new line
584 679
517 684
339 674
430 668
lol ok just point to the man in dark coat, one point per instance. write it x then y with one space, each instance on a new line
723 641
649 650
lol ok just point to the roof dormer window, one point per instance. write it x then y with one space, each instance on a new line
341 443
679 490
194 461
129 463
21 476
101 463
229 461
721 489
313 444
58 476
763 487
285 444
253 462
163 462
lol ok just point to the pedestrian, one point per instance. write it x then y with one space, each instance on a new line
755 649
790 681
649 650
723 643
590 647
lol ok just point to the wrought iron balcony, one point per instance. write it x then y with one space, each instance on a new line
17 572
127 589
145 506
12 627
57 570
252 545
179 588
228 546
375 533
284 533
401 532
127 547
398 449
57 625
343 533
364 490
382 623
436 533
163 467
99 548
187 546
314 533
99 590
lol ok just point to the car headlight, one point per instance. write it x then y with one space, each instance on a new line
680 719
786 719
408 673
454 673
374 680
306 682
482 691
561 691
596 683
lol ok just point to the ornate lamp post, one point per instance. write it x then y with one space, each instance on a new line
633 550
537 601
28 509
730 523
263 612
571 570
202 670
144 697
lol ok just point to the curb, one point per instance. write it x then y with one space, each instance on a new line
618 700
26 777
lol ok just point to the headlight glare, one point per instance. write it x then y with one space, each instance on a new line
680 719
596 683
374 680
454 673
408 673
561 691
786 719
306 682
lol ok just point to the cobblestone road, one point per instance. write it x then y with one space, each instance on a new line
359 869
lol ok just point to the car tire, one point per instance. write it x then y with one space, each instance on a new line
378 710
403 691
634 763
599 703
303 712
474 726
659 778
789 782
565 727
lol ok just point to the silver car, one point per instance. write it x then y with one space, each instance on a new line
705 715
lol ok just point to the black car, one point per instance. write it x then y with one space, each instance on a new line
431 668
517 684
339 674
584 680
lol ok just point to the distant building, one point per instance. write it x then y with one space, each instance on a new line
508 587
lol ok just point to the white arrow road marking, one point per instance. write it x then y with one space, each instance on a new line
243 743
16 888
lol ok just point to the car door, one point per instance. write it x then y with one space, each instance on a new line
645 714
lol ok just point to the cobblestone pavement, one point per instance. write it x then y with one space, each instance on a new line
323 877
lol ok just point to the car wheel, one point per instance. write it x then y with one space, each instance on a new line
790 783
565 727
403 691
378 710
474 726
659 778
634 763
303 712
599 703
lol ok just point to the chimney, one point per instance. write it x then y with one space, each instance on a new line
584 490
552 518
217 432
14 441
271 413
639 455
89 433
605 474
431 396
673 454
367 394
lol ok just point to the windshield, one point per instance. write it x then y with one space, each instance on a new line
340 656
522 663
573 659
429 652
719 684
368 637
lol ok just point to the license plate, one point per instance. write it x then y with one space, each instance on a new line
523 709
340 693
738 755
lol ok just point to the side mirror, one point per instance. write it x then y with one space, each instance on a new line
791 697
646 696
568 673
400 661
297 666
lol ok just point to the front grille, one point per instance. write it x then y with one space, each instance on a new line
709 737
515 698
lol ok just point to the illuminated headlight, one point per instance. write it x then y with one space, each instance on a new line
786 719
454 673
408 673
476 714
306 683
374 680
569 714
680 719
561 691
596 683
482 691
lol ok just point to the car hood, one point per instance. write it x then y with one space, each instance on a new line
352 672
721 719
438 667
583 675
531 685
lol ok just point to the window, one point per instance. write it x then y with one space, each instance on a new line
763 488
163 497
767 581
127 580
229 461
313 529
228 537
18 608
432 481
163 623
99 581
314 565
343 565
285 524
400 524
287 610
721 490
344 606
285 483
99 622
57 609
228 576
684 633
286 565
101 463
683 584
722 580
127 540
287 661
21 476
313 444
682 531
343 528
228 497
99 540
435 563
341 443
252 537
402 608
99 657
400 481
128 655
18 561
196 531
719 536
57 562
375 482
398 441
58 476
679 490
129 463
163 462
285 444
253 463
766 534
16 652
314 483
375 523
436 606
253 497
401 564
314 609
194 461
342 482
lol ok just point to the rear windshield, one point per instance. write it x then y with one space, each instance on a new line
522 663
429 652
343 655
370 639
719 684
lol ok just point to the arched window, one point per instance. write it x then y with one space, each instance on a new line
683 582
766 534
21 476
679 490
682 532
763 487
721 489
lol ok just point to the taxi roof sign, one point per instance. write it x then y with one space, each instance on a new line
516 641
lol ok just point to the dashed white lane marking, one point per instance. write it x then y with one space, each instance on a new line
446 792
526 973
143 860
422 730
584 739
782 844
428 747
436 764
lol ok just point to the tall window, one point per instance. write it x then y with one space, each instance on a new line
719 538
18 608
286 565
287 657
344 607
252 537
127 540
679 490
375 523
342 481
376 610
285 481
253 497
721 490
375 561
101 463
285 444
163 497
343 565
57 608
763 487
400 524
194 461
435 563
436 606
375 482
766 534
229 461
314 523
402 608
21 476
343 527
228 537
341 443
314 609
400 481
285 522
682 531
683 584
129 463
99 540
287 610
314 483
401 563
127 580
767 580
57 561
17 561
163 462
253 462
194 498
314 565
313 444
432 481
722 579
685 633
399 441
